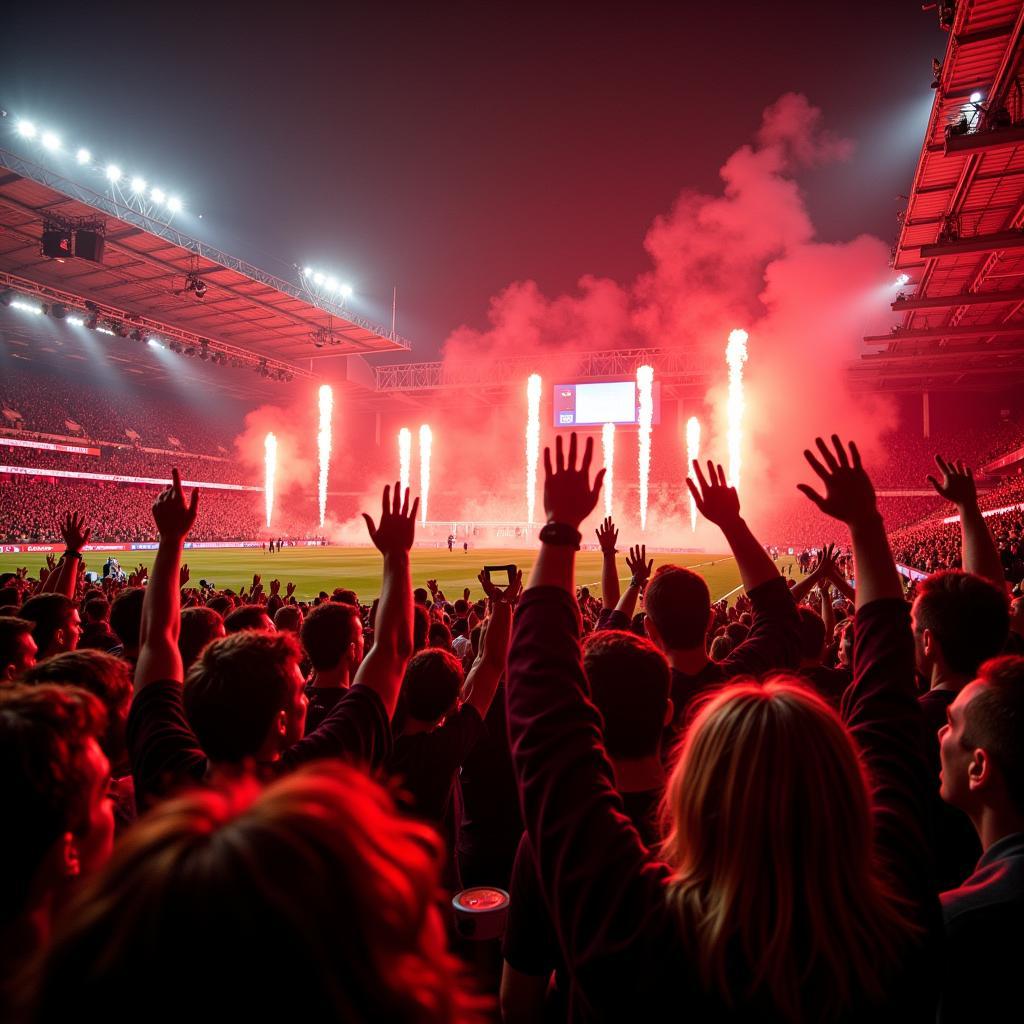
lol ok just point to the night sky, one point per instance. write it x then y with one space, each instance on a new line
452 149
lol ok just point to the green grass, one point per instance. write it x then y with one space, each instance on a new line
315 569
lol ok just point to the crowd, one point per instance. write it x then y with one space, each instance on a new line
531 802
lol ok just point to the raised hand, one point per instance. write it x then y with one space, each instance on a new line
465 594
396 530
849 495
607 536
173 517
275 587
568 495
51 563
957 483
639 567
183 575
289 590
75 533
509 594
827 560
716 501
432 586
256 580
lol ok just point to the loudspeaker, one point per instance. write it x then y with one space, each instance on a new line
89 245
56 243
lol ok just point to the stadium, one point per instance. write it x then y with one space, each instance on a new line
545 321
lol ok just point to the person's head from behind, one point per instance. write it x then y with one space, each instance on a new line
332 637
96 610
431 685
192 894
678 605
959 620
126 617
721 647
221 604
812 636
199 626
57 626
248 617
629 683
982 744
342 595
419 597
420 627
288 619
53 783
17 647
768 806
460 627
440 636
102 675
244 697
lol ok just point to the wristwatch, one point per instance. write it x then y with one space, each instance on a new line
561 535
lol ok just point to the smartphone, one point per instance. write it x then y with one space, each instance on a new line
510 569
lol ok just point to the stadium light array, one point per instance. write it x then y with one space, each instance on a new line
51 142
75 321
902 280
976 97
27 307
326 283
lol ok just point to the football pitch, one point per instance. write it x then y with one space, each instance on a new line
316 569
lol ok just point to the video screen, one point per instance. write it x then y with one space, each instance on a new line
613 401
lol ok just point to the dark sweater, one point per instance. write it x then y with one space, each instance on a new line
624 946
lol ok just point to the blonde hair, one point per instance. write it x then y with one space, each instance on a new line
312 899
768 825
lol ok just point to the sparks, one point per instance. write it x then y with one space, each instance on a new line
692 455
426 442
323 440
270 460
608 448
404 458
533 384
644 418
735 356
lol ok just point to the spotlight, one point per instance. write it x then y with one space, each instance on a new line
119 329
58 311
153 342
26 307
346 291
901 280
157 195
332 284
83 156
113 173
93 322
975 98
174 204
75 321
135 335
26 129
318 278
104 330
307 271
199 287
50 141
138 184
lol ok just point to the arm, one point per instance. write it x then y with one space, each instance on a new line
980 554
719 503
484 676
159 657
640 570
828 613
382 669
826 561
607 535
76 535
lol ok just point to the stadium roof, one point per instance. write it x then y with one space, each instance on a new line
961 241
150 268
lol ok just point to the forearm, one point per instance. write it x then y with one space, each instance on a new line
555 567
873 562
839 582
627 603
804 587
755 564
980 555
609 580
160 625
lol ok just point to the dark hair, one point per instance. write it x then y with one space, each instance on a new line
288 618
45 777
12 629
221 604
968 615
736 632
248 617
461 607
47 613
199 626
342 595
419 596
10 595
994 719
97 609
812 632
630 683
678 602
104 676
328 632
420 627
236 688
126 616
460 627
440 635
433 679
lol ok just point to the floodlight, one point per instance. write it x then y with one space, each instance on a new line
975 97
902 280
105 330
26 308
174 204
157 195
332 284
138 184
153 342
83 156
113 173
346 291
307 271
75 321
318 278
26 129
50 141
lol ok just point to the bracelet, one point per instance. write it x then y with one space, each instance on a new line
72 554
561 534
